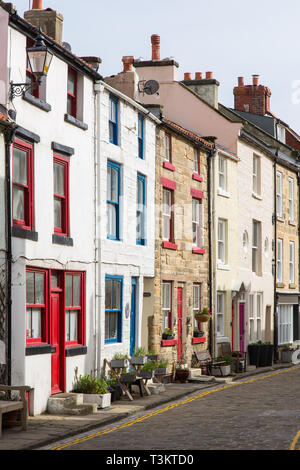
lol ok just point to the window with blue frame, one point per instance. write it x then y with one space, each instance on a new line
141 210
113 119
113 201
113 309
141 135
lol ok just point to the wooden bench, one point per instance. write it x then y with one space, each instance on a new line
18 409
206 362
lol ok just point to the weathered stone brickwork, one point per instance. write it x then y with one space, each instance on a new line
180 266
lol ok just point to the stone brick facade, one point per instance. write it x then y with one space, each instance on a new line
177 263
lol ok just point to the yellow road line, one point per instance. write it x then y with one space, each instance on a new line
295 441
170 407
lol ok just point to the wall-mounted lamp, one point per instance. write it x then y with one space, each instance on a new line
39 59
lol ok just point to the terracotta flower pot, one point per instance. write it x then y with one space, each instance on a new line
202 318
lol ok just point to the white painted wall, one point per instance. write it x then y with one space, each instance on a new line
50 126
260 209
124 258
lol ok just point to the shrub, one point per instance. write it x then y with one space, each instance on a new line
119 357
139 352
89 384
150 365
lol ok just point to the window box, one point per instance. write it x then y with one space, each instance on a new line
119 363
199 340
139 360
128 378
161 371
168 342
146 374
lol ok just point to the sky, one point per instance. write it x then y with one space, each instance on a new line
230 38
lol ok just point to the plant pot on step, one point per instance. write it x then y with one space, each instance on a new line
182 375
103 401
286 356
222 371
161 371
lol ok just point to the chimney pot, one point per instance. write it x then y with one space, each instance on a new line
37 5
209 75
188 76
241 81
198 76
155 41
255 79
127 63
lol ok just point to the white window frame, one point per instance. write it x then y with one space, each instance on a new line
291 200
196 302
167 215
166 306
220 313
259 299
196 163
256 248
292 262
251 319
222 172
197 223
222 225
285 324
256 172
279 193
279 259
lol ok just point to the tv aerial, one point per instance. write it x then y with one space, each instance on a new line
149 87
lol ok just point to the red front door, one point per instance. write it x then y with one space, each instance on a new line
179 327
56 361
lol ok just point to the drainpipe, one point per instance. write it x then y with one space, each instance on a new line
8 137
275 319
211 225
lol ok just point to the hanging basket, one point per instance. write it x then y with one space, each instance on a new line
202 318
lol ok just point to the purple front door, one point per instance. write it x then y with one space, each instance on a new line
242 327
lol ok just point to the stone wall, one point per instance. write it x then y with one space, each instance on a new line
182 267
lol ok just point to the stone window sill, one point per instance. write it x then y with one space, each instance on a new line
76 351
62 240
37 349
19 232
280 219
223 193
280 285
76 122
169 245
224 267
293 223
41 104
292 286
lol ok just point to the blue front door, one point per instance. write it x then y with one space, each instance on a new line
133 316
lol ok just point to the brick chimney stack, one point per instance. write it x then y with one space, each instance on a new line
155 41
50 21
253 98
127 63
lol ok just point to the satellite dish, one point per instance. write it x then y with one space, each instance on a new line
67 46
151 87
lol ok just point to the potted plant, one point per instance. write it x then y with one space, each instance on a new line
286 353
162 367
197 333
119 361
253 354
148 369
182 371
139 356
114 389
223 370
94 390
128 377
151 356
168 334
204 316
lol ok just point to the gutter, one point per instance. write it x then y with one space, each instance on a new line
9 133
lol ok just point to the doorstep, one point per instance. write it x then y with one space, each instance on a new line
46 429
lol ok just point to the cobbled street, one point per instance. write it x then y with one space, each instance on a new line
258 413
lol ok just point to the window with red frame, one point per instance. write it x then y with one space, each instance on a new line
61 195
22 190
30 78
167 305
72 93
168 148
36 306
74 325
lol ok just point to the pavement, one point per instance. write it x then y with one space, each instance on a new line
45 429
